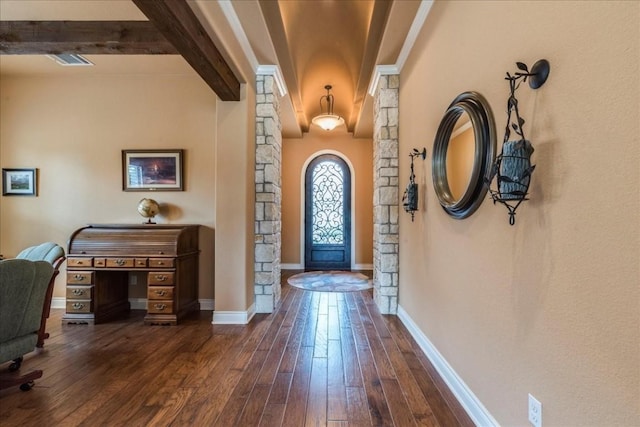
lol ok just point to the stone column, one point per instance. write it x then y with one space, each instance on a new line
268 187
386 194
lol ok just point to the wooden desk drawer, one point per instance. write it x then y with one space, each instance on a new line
79 262
140 262
161 262
160 278
160 307
79 277
120 262
99 262
83 306
79 292
160 292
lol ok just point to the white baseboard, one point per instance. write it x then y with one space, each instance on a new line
291 266
136 303
58 302
468 400
233 317
207 304
301 267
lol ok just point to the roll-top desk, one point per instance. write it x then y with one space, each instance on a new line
100 257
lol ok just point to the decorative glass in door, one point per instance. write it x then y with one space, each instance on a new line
327 214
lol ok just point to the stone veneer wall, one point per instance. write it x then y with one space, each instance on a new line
268 182
385 194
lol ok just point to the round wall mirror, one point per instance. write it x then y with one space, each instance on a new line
463 152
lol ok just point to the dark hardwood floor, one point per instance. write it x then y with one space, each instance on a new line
323 359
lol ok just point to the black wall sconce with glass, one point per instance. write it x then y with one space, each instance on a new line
512 168
410 197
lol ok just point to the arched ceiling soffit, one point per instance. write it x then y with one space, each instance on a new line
314 43
326 42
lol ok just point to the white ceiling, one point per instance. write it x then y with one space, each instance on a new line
313 43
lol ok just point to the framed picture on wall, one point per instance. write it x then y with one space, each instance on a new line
19 182
152 170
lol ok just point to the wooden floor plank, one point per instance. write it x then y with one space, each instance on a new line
272 415
296 407
254 408
378 405
170 409
358 408
316 413
288 362
327 359
444 405
383 365
416 400
84 411
240 396
398 407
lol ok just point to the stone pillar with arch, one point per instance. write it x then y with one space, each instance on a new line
268 193
386 194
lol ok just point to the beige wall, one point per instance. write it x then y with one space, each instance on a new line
73 131
549 306
460 156
235 199
295 152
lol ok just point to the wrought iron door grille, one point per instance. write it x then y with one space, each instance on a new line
328 207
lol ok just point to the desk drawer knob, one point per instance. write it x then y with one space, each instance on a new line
161 278
161 293
160 306
78 292
79 277
120 262
78 306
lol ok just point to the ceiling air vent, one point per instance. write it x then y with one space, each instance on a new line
71 59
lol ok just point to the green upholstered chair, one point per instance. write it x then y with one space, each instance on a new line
53 254
23 288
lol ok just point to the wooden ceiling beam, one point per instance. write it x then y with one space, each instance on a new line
82 37
177 22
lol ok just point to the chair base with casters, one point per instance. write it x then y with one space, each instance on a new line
23 288
25 381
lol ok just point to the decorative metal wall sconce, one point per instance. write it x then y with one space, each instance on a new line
410 197
513 167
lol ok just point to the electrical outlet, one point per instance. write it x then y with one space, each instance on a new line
133 279
535 412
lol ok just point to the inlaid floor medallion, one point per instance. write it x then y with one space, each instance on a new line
331 281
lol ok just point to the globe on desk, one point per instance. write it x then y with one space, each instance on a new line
148 208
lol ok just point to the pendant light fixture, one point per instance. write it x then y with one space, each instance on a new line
327 120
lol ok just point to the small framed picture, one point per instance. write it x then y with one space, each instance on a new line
19 182
152 170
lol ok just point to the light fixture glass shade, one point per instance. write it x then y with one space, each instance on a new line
327 121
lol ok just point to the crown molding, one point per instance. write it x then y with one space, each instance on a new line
379 71
414 30
234 22
273 70
243 40
412 35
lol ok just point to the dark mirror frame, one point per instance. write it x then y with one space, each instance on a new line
478 109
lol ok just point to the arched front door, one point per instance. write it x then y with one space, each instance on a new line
327 214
